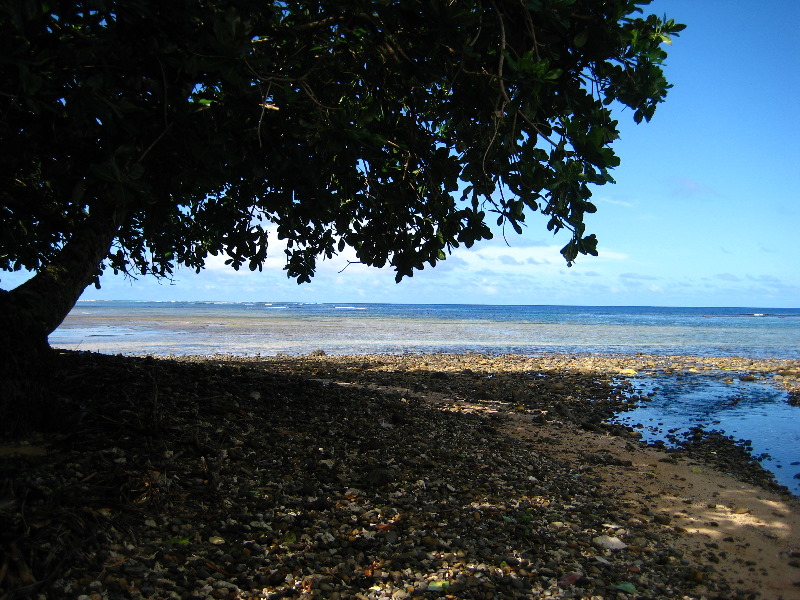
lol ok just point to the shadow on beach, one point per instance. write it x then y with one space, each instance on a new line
368 477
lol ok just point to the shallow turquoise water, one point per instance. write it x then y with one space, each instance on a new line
269 328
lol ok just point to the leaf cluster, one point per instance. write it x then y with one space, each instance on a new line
400 129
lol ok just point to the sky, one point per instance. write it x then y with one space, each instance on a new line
705 211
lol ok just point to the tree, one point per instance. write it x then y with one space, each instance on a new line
141 134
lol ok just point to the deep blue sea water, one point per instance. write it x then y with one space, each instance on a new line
755 411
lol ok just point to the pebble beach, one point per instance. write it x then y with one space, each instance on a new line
384 476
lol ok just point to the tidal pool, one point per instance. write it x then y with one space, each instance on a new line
756 411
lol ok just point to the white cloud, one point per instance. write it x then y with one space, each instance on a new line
637 276
510 260
521 259
764 278
599 200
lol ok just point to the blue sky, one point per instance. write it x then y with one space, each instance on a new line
704 211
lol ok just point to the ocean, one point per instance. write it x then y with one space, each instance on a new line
760 413
268 328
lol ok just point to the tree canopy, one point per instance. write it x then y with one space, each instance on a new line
140 134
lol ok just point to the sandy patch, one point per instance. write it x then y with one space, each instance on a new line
751 535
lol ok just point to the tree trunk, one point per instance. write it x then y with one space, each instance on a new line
24 368
30 312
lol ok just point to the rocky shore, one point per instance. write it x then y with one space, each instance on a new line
411 476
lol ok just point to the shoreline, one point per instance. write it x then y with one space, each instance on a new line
118 345
685 526
710 445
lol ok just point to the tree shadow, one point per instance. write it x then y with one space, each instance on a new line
273 478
